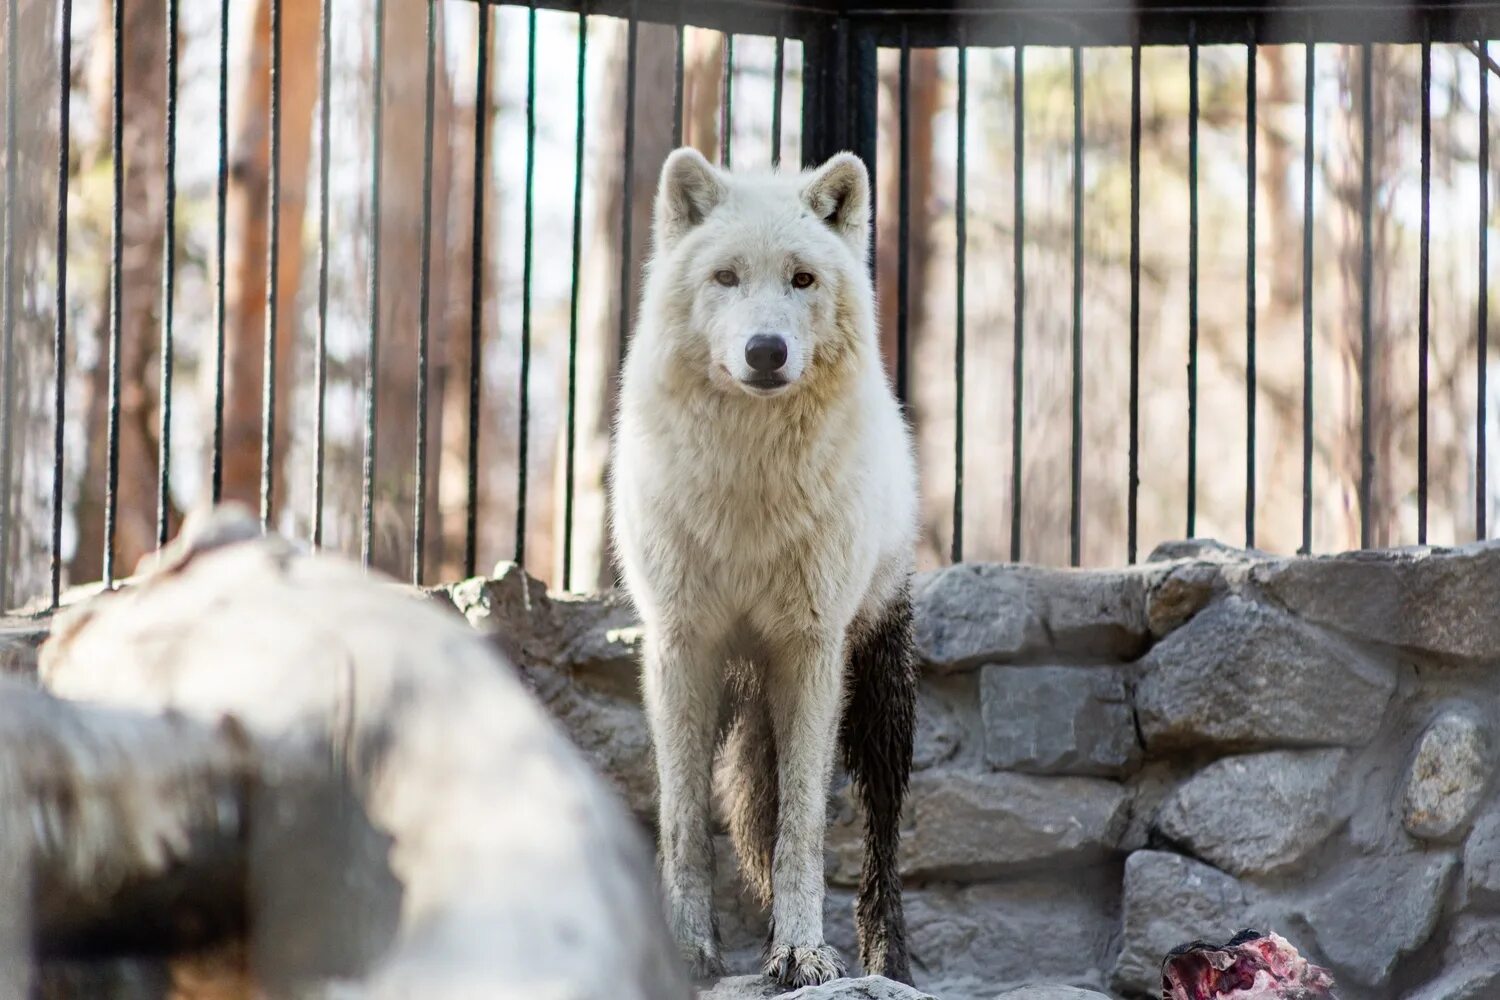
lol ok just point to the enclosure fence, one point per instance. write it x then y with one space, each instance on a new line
838 45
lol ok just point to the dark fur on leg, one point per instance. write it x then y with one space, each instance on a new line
747 790
878 727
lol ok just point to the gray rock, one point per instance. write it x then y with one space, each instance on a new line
949 727
868 988
1170 900
976 613
1461 984
978 940
1256 814
1440 601
965 825
1182 593
1482 859
1095 614
1203 550
1051 993
1057 720
972 613
1240 676
1447 778
1380 909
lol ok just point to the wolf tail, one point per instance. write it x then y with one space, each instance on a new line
748 791
877 732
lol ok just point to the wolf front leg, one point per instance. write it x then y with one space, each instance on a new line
804 692
683 688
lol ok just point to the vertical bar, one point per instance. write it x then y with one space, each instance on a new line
1192 370
116 249
1075 515
572 449
903 226
1423 319
1133 499
1310 76
1251 61
372 345
169 269
1366 309
627 186
273 280
60 318
523 449
424 302
476 287
726 116
778 85
320 363
961 242
1481 497
221 207
677 77
8 322
1018 311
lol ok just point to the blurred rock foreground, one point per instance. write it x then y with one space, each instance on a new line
261 767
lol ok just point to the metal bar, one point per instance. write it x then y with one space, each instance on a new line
1251 60
1423 310
903 230
116 251
60 319
1481 495
1192 368
424 303
677 91
961 242
169 274
572 447
320 362
1366 310
8 321
273 280
372 345
476 287
1075 514
726 110
220 233
1133 498
523 448
777 87
1018 312
1309 108
627 190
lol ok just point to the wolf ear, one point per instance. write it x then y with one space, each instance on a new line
690 188
838 192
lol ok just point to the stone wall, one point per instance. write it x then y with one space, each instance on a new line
1110 764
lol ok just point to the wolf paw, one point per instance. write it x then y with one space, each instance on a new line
702 960
795 968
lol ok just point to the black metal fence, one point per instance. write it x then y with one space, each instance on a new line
840 43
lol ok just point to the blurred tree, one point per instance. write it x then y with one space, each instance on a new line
249 239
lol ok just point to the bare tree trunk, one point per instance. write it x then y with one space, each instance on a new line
141 237
405 101
249 239
599 347
702 94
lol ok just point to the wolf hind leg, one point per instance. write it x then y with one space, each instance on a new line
876 737
747 789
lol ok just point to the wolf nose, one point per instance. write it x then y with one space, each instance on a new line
765 352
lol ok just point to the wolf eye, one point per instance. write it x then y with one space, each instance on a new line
803 279
727 278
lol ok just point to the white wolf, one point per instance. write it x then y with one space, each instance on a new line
764 502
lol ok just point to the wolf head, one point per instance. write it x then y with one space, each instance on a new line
763 277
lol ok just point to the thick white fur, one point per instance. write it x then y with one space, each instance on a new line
753 527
